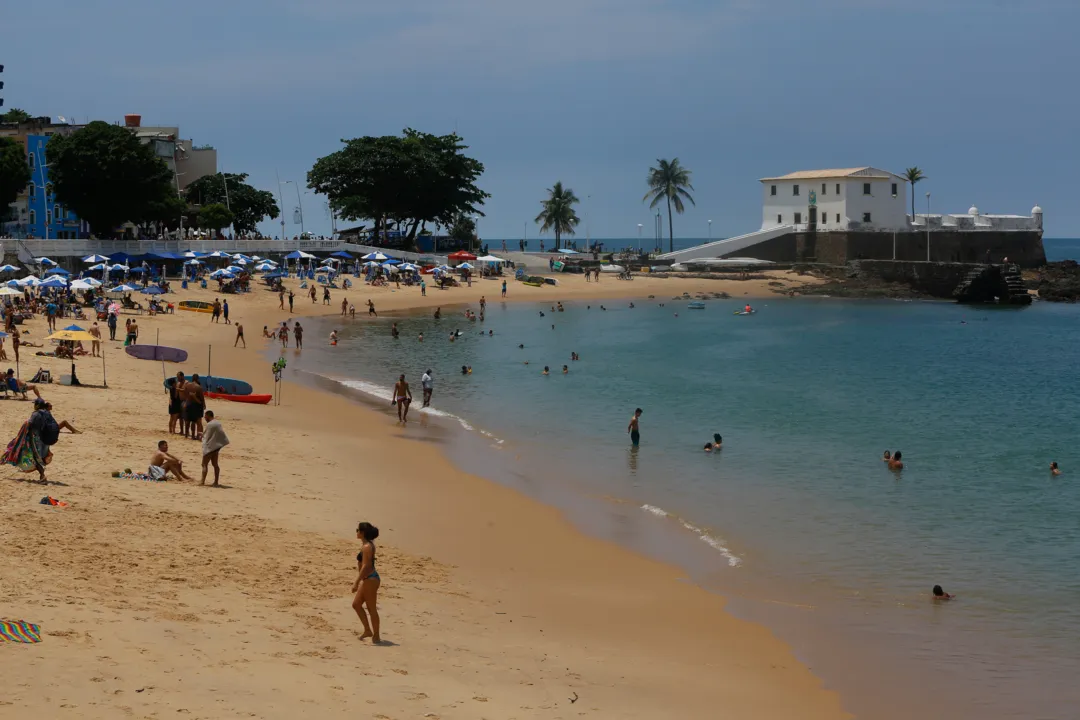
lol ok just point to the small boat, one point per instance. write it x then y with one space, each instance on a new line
695 305
196 306
254 399
743 312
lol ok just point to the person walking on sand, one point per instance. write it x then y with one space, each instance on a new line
426 383
281 299
483 304
344 307
313 295
215 311
634 428
504 288
214 439
371 309
402 398
283 334
239 335
292 296
326 296
298 333
133 333
225 311
111 322
366 587
423 288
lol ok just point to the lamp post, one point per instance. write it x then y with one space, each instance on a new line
281 204
639 226
299 204
659 232
228 205
927 227
710 231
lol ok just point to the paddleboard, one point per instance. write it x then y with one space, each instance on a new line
196 306
255 399
156 352
226 386
743 312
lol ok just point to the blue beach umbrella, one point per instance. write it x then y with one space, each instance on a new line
44 261
8 268
56 271
95 259
153 290
75 327
123 289
55 283
374 256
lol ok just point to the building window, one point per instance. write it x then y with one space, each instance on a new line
823 186
866 188
30 160
837 217
795 190
773 191
33 190
866 217
894 189
33 217
58 212
798 218
779 219
48 189
837 188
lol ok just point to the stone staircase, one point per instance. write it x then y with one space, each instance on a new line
1001 284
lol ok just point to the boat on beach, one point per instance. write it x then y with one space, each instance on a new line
253 399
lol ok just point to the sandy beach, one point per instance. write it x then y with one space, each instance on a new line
175 600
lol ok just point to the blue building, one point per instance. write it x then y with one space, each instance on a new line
47 218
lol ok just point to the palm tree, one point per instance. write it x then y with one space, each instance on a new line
669 180
913 175
558 213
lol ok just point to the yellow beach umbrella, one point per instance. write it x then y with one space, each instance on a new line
77 336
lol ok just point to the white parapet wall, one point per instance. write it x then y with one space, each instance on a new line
719 248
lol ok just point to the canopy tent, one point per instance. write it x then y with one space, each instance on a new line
462 255
95 259
490 259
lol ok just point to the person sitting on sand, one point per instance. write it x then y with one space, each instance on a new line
886 457
895 463
1054 470
366 587
940 595
18 386
169 464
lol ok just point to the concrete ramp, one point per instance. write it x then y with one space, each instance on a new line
720 248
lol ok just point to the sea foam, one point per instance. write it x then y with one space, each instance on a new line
715 543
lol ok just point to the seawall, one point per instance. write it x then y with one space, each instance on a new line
946 246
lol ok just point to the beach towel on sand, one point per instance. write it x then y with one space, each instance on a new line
19 631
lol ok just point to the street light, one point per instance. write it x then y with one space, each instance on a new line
927 227
298 202
710 231
281 203
639 226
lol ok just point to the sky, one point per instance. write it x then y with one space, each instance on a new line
979 94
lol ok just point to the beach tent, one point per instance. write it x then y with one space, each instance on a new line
374 256
95 259
490 259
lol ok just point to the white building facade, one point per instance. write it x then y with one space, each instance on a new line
862 199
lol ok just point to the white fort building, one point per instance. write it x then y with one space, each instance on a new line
864 212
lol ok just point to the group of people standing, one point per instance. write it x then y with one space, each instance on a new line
187 407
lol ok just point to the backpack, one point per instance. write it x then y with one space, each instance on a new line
50 431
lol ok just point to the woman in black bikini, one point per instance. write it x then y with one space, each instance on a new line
366 587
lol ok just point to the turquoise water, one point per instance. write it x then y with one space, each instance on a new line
797 518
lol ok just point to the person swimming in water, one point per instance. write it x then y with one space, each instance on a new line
887 456
896 463
546 371
1054 470
940 594
717 441
708 447
565 370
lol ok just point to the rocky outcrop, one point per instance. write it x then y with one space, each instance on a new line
1059 281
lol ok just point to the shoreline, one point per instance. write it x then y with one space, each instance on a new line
495 602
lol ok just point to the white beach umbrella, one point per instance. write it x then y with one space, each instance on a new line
374 256
264 267
193 262
80 285
92 282
45 261
490 259
465 266
99 266
9 291
95 259
119 267
123 289
408 266
8 268
219 254
30 280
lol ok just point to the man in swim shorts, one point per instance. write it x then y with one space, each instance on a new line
167 462
427 384
194 405
633 428
402 398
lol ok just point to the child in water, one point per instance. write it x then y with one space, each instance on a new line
1054 470
940 594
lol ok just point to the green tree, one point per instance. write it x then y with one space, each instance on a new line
106 176
214 217
248 205
558 212
15 115
166 211
913 175
14 173
413 179
463 231
669 181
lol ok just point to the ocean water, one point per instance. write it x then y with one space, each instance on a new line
797 519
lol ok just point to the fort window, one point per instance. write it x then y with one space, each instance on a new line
837 188
773 190
798 218
866 217
866 188
894 188
795 190
823 186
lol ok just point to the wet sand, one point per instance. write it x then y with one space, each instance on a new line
170 598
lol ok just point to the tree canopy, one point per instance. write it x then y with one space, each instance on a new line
463 231
558 212
913 175
249 206
214 217
106 176
14 173
15 115
415 178
669 181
